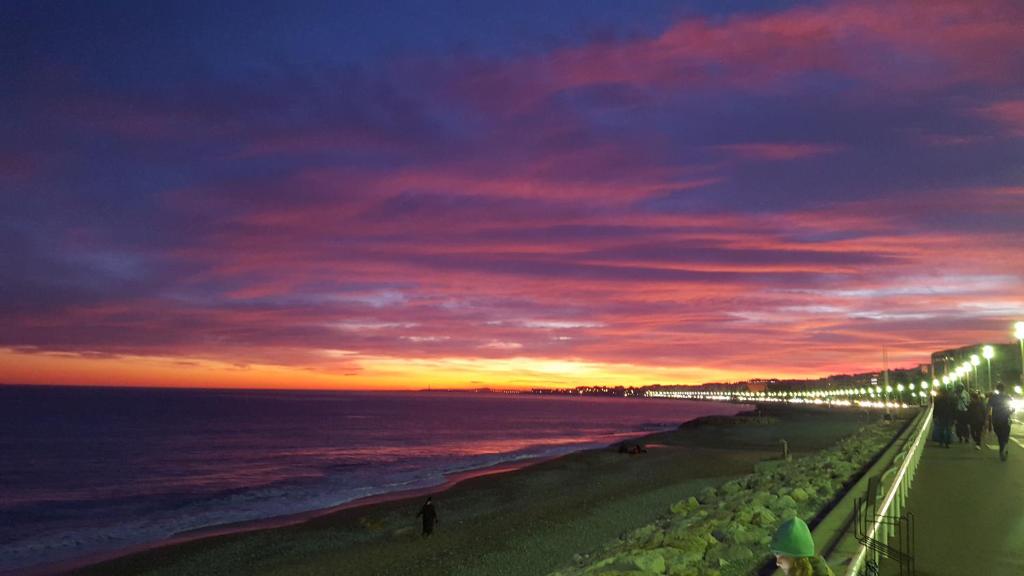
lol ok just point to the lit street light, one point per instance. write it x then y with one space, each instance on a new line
988 352
1018 333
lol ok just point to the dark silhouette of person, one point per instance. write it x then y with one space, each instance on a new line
945 412
976 413
962 419
429 515
1000 411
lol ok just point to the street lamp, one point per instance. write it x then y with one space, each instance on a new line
988 352
1018 333
975 362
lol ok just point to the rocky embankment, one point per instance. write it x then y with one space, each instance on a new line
726 531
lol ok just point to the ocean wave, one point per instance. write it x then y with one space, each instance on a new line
176 478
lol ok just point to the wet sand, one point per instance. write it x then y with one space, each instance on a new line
528 521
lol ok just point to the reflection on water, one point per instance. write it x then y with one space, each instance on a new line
93 469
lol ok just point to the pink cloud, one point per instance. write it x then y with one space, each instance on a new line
778 150
1008 113
900 45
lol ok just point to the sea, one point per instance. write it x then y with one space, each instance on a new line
86 471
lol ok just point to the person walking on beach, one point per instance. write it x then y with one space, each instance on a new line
429 515
976 413
794 550
999 415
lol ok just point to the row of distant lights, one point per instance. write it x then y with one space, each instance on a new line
817 397
877 396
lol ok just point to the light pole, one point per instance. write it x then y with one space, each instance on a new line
988 352
975 362
1018 333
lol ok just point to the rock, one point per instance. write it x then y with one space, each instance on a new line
684 571
680 563
714 554
763 517
404 532
643 562
707 496
646 537
684 506
744 515
784 502
689 545
731 487
650 562
738 554
754 537
727 531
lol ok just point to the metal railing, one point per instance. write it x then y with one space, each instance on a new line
880 521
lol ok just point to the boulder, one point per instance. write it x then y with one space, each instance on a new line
644 562
784 502
744 515
685 506
679 563
731 487
649 536
763 517
684 571
689 545
738 554
707 496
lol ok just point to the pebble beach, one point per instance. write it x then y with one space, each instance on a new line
566 515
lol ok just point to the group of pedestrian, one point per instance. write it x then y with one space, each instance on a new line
970 414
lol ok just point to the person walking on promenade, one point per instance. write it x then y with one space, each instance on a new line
976 413
429 515
794 550
945 411
999 415
963 400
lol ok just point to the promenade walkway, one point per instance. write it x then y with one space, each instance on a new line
968 509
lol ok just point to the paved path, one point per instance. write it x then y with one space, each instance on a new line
969 509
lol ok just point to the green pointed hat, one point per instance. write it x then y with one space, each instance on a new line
793 538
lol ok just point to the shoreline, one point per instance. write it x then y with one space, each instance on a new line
530 518
289 520
284 521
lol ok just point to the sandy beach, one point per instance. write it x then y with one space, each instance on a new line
527 521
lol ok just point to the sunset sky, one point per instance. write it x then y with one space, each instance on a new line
512 194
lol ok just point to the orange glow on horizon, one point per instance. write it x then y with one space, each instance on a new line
375 373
